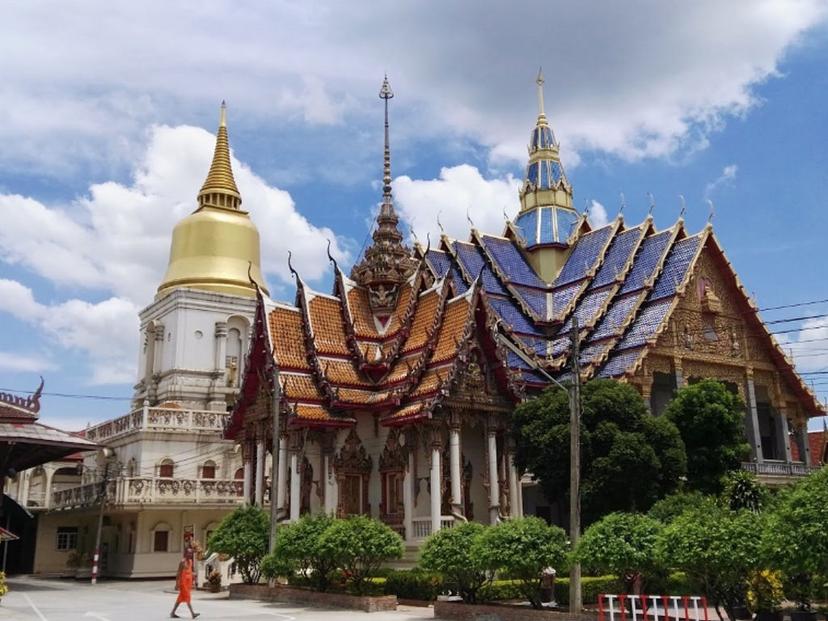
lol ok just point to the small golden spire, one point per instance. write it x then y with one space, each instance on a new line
219 189
539 82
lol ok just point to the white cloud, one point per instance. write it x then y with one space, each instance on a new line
116 239
80 88
459 193
728 175
16 362
598 215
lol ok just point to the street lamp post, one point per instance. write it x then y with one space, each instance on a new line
107 453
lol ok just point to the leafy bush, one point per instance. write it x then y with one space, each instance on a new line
742 490
521 549
450 552
297 550
413 584
717 548
244 535
796 537
591 588
670 507
358 545
622 544
710 420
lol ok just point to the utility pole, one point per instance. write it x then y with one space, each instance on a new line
102 495
575 603
274 468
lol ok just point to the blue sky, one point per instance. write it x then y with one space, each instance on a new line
109 114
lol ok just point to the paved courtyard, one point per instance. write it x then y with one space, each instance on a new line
61 600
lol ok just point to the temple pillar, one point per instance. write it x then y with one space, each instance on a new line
494 483
295 487
330 483
158 349
454 465
220 348
436 486
678 373
260 466
515 508
281 474
784 436
752 419
408 493
247 483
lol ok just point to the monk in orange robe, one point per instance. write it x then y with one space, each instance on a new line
184 582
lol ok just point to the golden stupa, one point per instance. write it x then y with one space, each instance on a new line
216 248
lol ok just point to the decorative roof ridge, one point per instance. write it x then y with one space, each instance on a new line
14 406
513 294
774 343
348 318
492 330
401 335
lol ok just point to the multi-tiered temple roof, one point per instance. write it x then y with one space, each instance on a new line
400 335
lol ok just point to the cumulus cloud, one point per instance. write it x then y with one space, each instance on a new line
16 362
116 240
597 215
460 193
663 88
728 175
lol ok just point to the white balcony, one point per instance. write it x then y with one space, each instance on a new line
138 491
158 419
422 525
776 472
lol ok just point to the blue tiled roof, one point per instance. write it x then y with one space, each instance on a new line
649 255
472 261
588 308
545 174
620 363
542 138
562 298
585 256
622 247
527 223
439 261
533 298
675 267
645 325
511 314
618 313
511 262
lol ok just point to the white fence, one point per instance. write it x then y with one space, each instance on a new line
422 525
158 419
152 490
652 608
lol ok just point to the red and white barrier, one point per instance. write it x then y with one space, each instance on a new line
652 608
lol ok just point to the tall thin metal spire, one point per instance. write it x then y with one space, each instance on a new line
386 93
539 82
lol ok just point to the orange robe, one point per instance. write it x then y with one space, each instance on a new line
185 583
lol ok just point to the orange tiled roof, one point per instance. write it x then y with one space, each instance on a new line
455 319
288 338
325 316
424 316
300 387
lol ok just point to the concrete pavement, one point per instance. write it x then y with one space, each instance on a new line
33 599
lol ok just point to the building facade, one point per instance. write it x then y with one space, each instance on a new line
393 393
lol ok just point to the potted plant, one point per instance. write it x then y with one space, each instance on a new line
214 581
4 588
73 562
764 595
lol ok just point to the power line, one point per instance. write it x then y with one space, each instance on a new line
802 318
66 395
796 305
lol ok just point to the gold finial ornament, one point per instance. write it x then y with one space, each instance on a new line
216 248
539 82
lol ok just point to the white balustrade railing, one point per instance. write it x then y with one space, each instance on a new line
421 526
152 490
779 468
158 419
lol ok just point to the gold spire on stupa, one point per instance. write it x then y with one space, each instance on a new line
216 248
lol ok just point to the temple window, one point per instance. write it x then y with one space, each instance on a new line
67 537
709 327
166 469
161 541
239 475
208 470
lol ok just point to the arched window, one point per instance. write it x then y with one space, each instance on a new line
161 537
208 470
166 469
239 475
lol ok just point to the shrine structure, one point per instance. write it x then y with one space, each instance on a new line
396 389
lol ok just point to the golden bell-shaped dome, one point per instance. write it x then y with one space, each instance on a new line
216 248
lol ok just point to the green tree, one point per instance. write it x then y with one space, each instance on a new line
717 548
623 544
521 549
710 420
243 535
298 550
449 552
359 545
742 490
670 507
796 538
629 459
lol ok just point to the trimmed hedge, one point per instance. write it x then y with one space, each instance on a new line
413 584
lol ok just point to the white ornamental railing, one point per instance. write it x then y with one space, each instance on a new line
421 526
779 468
158 419
152 490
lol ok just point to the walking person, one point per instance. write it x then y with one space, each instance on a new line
184 582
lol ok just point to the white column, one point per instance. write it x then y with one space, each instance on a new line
158 350
454 465
436 495
221 346
50 473
494 483
806 456
260 466
514 488
248 480
295 487
330 485
754 435
408 495
281 474
784 435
